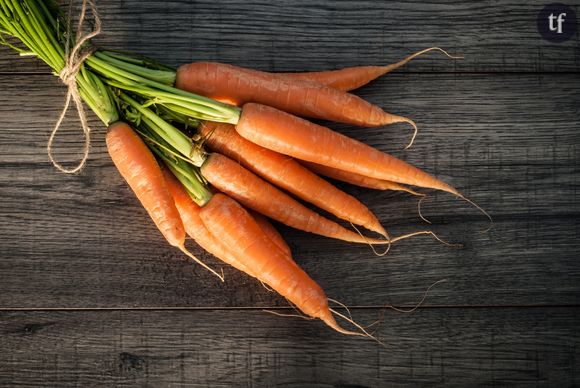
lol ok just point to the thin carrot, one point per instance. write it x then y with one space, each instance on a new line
231 223
255 193
288 174
272 233
304 98
357 179
351 78
139 168
302 139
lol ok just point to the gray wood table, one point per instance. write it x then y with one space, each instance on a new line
90 294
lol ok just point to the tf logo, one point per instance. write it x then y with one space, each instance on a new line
557 22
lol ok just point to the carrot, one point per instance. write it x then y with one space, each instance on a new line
351 78
194 227
139 168
238 86
302 139
288 174
254 193
357 179
272 233
231 223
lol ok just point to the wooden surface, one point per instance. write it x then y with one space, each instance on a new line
91 295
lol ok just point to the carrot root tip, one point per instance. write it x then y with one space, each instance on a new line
363 332
419 210
287 315
415 131
426 232
387 241
198 261
482 210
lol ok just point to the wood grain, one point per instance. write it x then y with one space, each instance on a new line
432 347
498 36
90 294
84 241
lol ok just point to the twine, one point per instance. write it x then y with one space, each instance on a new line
74 58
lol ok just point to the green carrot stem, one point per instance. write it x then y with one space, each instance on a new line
162 76
168 132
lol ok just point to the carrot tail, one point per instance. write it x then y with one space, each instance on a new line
198 261
388 68
351 78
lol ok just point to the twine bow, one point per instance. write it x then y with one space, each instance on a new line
74 58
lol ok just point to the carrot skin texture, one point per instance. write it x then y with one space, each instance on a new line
302 139
351 78
229 221
138 167
271 232
304 98
286 173
356 179
257 194
342 79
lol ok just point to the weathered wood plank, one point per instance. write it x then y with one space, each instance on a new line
432 347
83 240
494 36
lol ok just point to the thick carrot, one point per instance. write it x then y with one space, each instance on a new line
139 168
288 174
299 138
255 193
351 78
231 223
194 227
357 179
272 233
304 98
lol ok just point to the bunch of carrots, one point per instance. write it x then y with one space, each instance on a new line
214 150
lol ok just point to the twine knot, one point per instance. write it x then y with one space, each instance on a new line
74 59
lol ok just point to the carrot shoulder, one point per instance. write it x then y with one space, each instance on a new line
299 138
286 173
255 193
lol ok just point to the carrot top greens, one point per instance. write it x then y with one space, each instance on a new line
46 33
117 85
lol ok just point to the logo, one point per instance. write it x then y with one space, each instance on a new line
557 22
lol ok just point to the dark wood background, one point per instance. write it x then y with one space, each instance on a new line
90 294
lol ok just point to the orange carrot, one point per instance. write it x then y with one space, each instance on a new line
253 192
288 174
299 138
194 227
351 78
357 179
231 223
139 168
272 232
304 98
